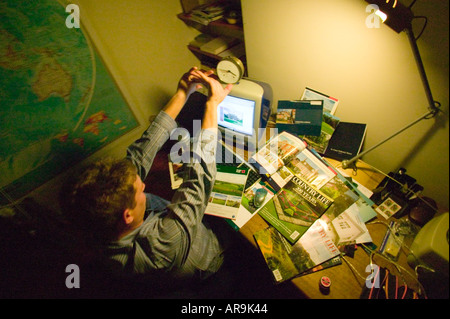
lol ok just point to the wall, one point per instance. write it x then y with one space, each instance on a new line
326 45
143 44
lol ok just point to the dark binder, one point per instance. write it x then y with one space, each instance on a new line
347 141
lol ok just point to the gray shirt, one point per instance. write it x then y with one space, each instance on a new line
173 239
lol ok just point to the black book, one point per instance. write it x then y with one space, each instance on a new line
346 141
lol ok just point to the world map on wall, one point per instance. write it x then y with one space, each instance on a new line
58 103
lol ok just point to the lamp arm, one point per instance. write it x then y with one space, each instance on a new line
433 109
412 40
348 163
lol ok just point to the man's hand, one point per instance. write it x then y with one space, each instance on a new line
190 81
216 94
216 91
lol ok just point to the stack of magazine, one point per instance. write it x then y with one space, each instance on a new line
313 213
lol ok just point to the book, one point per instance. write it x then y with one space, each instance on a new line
329 103
286 260
208 13
226 195
219 44
347 141
320 143
300 117
201 39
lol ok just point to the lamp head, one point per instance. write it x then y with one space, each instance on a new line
398 17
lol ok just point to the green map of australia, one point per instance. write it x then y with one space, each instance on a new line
58 103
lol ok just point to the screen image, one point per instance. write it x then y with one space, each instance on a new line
236 114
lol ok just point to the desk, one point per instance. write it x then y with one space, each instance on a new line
345 282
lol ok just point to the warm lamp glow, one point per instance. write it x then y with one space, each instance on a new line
381 15
400 19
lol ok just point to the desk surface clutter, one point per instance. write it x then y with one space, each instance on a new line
334 244
348 278
347 270
347 264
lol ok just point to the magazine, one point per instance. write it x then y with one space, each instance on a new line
286 260
326 264
226 195
253 199
285 156
294 208
349 210
300 203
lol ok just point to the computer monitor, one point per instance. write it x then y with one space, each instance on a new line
242 116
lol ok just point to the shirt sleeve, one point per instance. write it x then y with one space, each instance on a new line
171 234
143 151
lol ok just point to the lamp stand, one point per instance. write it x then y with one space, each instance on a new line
433 109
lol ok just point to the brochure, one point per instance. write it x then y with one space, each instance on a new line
300 117
329 103
226 195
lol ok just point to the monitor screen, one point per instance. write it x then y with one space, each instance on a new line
236 114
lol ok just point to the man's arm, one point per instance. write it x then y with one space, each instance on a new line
200 176
143 151
177 229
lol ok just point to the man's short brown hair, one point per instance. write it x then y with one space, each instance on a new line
96 199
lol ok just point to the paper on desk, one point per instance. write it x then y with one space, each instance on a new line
349 228
364 203
364 190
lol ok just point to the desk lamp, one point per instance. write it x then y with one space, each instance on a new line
399 18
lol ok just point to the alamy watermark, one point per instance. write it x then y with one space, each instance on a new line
73 19
373 279
73 279
373 20
188 148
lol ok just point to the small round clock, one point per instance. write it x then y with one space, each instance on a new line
230 70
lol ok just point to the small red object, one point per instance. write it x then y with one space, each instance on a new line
325 284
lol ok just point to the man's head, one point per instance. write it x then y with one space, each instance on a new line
107 199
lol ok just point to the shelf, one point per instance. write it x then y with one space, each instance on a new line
216 28
210 59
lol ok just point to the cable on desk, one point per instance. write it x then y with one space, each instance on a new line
410 191
393 232
353 269
14 204
402 245
400 269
